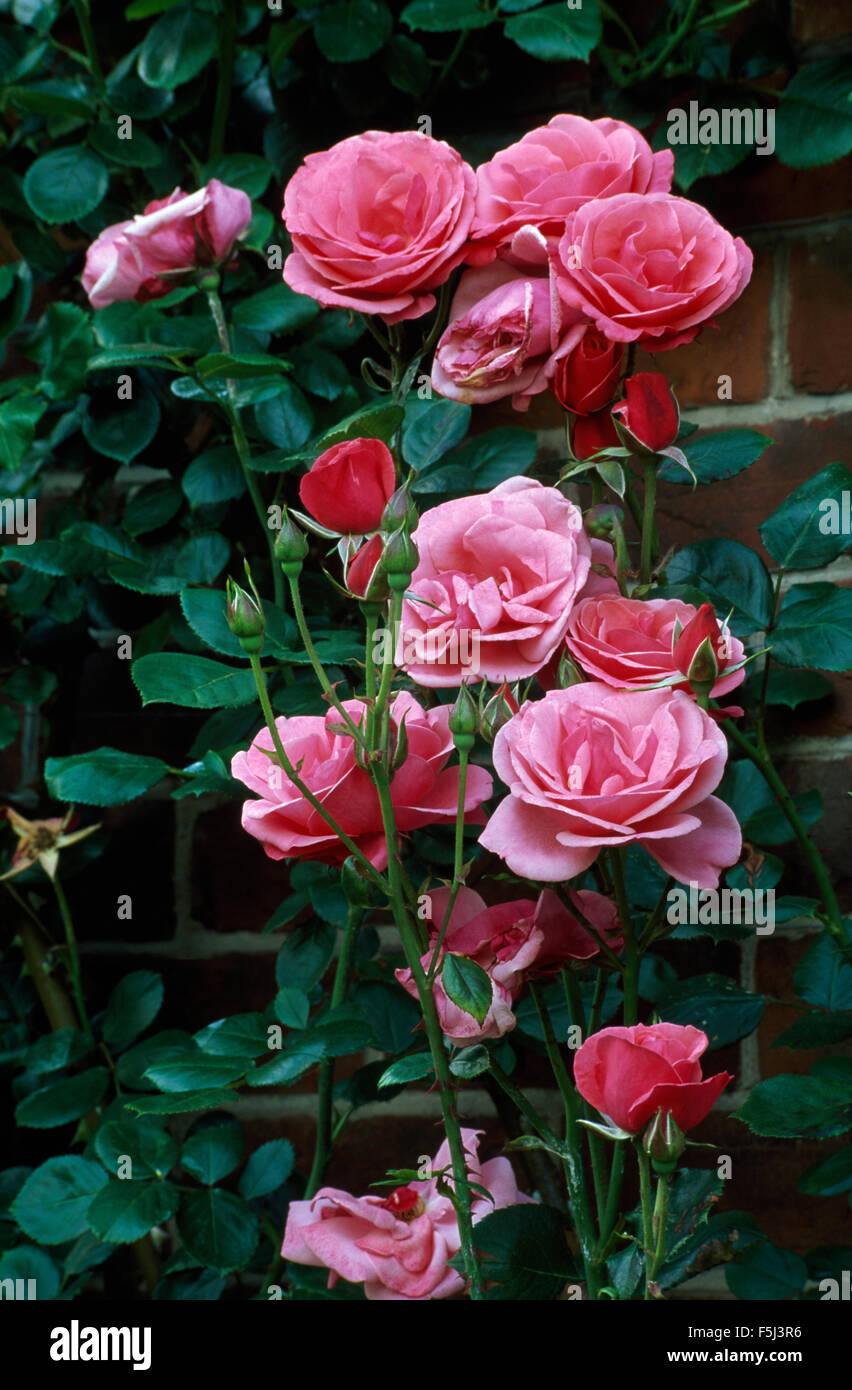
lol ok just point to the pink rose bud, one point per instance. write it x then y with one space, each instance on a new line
586 378
648 420
348 486
698 651
628 1074
145 257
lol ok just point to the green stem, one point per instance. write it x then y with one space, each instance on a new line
263 695
631 946
577 1015
647 555
526 1108
73 960
833 918
241 445
573 1161
225 54
647 1212
322 1148
458 857
658 1224
318 668
84 23
680 33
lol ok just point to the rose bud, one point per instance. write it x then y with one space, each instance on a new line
291 547
664 1142
399 560
348 486
586 378
590 434
464 720
245 617
648 420
364 575
701 648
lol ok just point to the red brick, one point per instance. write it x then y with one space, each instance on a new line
820 331
813 23
763 191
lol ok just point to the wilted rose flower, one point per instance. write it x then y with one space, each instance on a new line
649 268
628 1074
499 571
146 257
591 767
399 1246
631 644
378 222
554 169
424 791
347 487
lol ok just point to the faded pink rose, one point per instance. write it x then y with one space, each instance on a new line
507 329
628 1074
378 222
510 941
145 257
494 584
399 1246
554 169
649 268
630 643
591 767
424 790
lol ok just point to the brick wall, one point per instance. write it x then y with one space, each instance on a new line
201 890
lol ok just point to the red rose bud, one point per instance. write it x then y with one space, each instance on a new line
648 420
364 574
589 434
245 617
348 486
697 651
405 1203
586 378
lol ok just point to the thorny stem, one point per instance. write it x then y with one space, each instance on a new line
322 1147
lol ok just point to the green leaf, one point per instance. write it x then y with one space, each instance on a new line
470 1062
66 184
286 420
715 456
828 1176
104 777
813 124
823 976
132 1007
352 30
405 1069
218 1229
431 428
393 1014
55 1050
204 610
467 985
482 462
176 48
557 33
305 956
30 685
16 288
52 1204
241 1035
443 16
62 345
196 1072
276 310
292 1007
807 529
195 682
63 1101
798 1107
406 65
177 1103
268 1169
9 727
126 1210
715 1004
122 429
816 1030
137 152
770 826
132 1065
766 1272
213 477
151 507
209 1155
731 576
29 1262
794 688
525 1254
815 628
250 172
238 365
152 1150
319 371
699 160
18 419
300 1054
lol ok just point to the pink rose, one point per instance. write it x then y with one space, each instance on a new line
424 790
631 644
142 259
591 767
399 1246
628 1074
378 221
649 268
556 168
494 585
507 329
511 942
